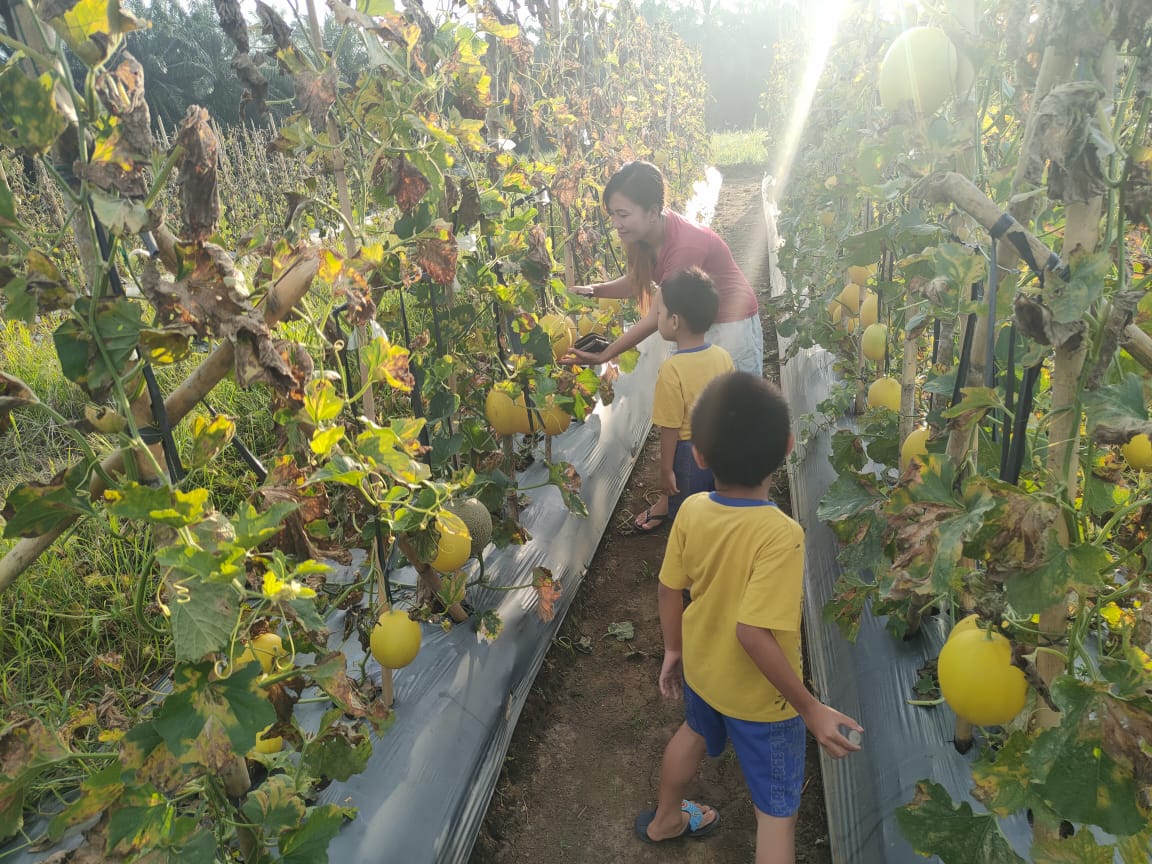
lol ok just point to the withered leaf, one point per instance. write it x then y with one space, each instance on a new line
406 184
353 288
548 591
285 484
437 255
197 179
232 23
255 84
46 284
331 675
537 263
315 94
274 25
13 394
122 92
469 211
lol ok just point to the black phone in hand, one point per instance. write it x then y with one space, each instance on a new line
592 343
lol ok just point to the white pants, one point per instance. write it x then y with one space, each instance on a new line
744 340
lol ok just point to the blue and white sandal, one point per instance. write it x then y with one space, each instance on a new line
695 829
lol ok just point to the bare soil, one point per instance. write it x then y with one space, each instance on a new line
585 757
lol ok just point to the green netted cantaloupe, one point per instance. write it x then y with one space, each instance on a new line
479 521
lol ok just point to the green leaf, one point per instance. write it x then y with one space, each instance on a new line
960 265
1079 849
92 28
1070 300
564 477
204 722
500 31
117 326
8 207
1136 849
27 749
977 402
388 363
1116 404
97 793
849 495
340 469
1032 591
1001 778
1085 785
33 509
847 451
628 361
164 347
323 440
20 302
253 527
1103 497
381 448
119 215
321 404
275 806
163 505
204 615
308 844
136 829
29 116
338 751
1073 773
209 437
845 608
958 835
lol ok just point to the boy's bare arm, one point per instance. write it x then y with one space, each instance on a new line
671 603
669 439
822 721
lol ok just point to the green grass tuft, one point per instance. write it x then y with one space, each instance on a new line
744 147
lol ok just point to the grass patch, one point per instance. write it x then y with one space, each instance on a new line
743 147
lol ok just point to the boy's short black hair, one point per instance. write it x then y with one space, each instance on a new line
741 427
691 295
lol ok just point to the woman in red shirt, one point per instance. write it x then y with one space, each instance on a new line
661 243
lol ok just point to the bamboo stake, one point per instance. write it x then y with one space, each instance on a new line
1138 344
292 285
908 381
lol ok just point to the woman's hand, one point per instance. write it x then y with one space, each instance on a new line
584 290
575 357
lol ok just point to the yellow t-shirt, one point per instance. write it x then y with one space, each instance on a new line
743 561
681 380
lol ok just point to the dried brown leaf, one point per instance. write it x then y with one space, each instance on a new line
197 179
437 255
232 23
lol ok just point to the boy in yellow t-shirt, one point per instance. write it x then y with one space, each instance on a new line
734 652
685 309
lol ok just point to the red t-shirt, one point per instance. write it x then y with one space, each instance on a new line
689 244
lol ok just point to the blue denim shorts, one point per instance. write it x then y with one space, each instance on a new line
771 754
690 477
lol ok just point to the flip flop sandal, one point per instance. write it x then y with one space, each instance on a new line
649 516
695 829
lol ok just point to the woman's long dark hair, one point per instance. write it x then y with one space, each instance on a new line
641 183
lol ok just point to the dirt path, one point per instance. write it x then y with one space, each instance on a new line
586 753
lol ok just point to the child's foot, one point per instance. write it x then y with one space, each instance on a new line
696 821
